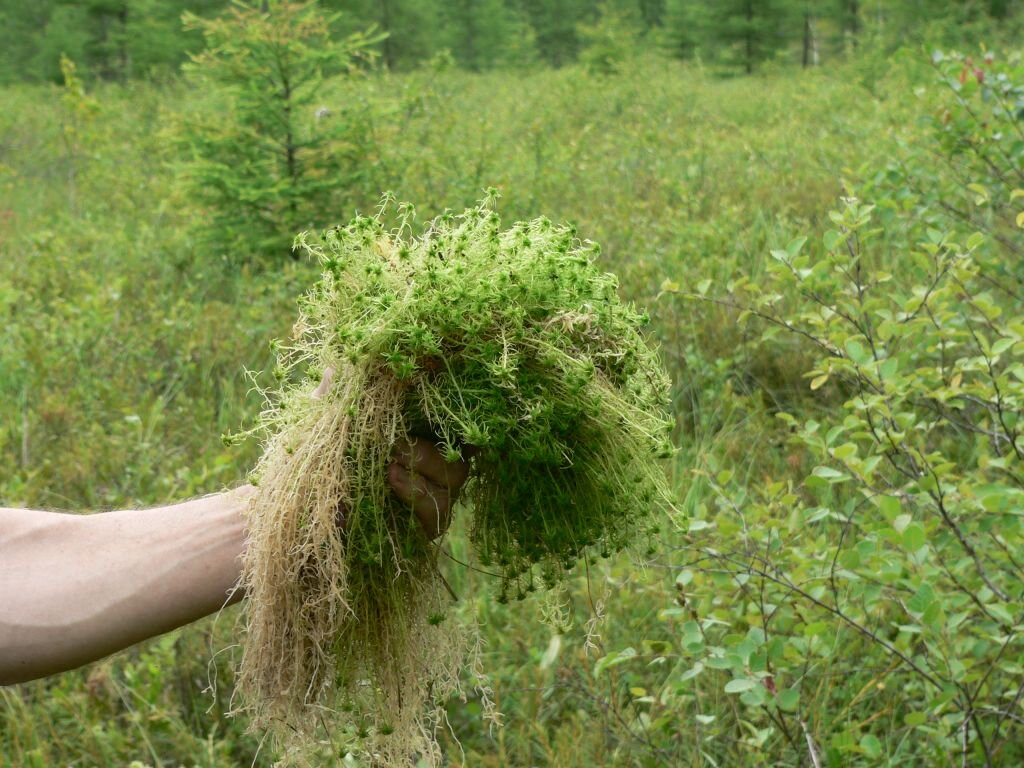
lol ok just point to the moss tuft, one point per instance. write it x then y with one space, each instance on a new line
509 341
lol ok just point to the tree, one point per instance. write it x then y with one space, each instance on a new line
155 39
111 39
849 20
486 33
750 31
610 40
684 31
410 29
274 161
554 22
809 56
652 12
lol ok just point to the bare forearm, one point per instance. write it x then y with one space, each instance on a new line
76 588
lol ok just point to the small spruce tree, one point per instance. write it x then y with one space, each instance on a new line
613 37
484 34
682 35
274 160
752 31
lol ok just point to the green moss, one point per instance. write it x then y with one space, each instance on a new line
506 347
514 342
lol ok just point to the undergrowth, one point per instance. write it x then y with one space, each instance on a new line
123 342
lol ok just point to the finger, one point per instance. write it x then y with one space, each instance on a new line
325 383
423 458
430 502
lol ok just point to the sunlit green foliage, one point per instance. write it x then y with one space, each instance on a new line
824 614
514 343
505 345
900 529
274 161
122 40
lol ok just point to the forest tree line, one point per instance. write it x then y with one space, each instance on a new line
121 40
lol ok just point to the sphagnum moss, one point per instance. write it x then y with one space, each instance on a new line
511 341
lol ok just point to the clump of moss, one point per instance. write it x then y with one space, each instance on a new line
511 341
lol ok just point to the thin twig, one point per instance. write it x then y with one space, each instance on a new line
811 748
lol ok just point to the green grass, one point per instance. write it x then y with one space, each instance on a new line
122 351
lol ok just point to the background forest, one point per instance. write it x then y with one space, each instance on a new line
821 205
120 40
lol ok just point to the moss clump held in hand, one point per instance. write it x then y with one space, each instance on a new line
510 341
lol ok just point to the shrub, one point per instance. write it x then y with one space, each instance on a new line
905 539
968 171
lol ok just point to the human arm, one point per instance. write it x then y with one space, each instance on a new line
75 588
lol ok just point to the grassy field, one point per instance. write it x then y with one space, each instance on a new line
123 349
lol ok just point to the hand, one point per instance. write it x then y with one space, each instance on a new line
422 478
419 476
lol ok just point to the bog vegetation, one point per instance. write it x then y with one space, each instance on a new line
507 343
830 259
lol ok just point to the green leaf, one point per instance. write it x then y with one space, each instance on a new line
850 558
740 684
922 599
1000 612
889 368
845 452
1002 345
795 245
890 507
755 697
614 659
857 352
871 745
814 514
914 537
830 474
901 522
789 699
692 673
816 628
914 719
933 615
980 192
